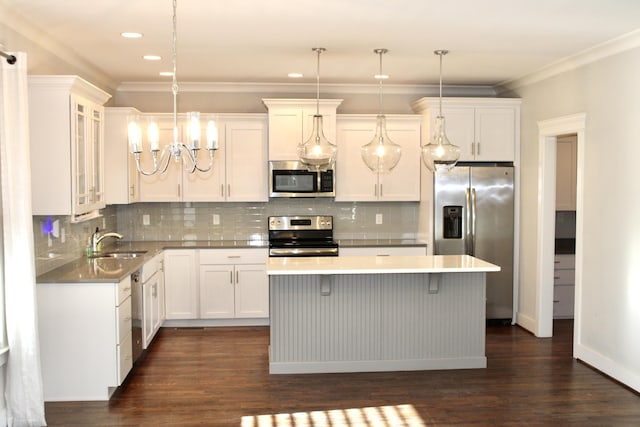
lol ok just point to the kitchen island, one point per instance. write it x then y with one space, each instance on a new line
359 314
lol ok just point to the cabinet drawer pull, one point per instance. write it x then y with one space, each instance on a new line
383 255
233 256
556 262
556 277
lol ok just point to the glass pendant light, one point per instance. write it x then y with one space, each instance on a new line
381 155
317 152
439 155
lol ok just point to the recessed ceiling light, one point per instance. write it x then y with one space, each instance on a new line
152 57
295 75
131 35
381 76
166 73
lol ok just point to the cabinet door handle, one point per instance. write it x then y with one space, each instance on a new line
231 276
478 148
221 190
381 190
179 195
237 277
228 190
375 190
473 148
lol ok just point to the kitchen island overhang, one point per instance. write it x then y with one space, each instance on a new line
364 314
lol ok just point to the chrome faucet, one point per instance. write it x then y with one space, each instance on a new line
96 238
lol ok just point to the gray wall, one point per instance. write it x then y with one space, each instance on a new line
607 91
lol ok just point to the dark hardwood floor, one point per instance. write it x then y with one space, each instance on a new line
219 377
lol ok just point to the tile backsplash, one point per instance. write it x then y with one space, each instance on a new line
221 221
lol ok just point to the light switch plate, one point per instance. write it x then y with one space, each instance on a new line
216 219
146 220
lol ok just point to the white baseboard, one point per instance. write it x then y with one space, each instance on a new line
607 366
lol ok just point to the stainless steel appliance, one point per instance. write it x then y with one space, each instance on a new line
473 215
302 235
293 179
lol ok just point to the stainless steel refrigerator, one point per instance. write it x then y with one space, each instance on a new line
474 215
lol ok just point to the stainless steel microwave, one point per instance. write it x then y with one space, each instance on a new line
293 179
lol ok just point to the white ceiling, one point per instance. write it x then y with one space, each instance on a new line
491 41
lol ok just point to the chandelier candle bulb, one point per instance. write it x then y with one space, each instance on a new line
153 134
135 137
212 135
193 118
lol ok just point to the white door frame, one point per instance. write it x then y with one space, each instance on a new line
548 130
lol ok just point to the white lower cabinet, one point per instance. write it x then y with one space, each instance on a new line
384 251
85 338
564 286
233 283
181 283
216 284
152 299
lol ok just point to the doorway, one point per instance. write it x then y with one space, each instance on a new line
549 131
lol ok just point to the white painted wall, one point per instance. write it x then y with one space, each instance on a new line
608 92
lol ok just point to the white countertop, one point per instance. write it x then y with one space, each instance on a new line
377 265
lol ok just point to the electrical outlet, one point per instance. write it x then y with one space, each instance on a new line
216 219
63 235
146 220
379 219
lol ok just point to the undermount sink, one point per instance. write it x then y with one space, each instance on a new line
118 255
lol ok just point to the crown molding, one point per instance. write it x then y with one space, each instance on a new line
611 47
308 88
29 33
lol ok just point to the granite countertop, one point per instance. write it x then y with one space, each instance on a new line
93 270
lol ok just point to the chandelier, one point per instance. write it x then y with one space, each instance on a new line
317 152
381 155
439 155
187 153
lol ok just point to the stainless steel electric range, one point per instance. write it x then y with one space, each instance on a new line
301 235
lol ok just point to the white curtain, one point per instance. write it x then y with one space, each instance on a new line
23 389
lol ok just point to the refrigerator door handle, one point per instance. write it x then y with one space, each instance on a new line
467 240
473 222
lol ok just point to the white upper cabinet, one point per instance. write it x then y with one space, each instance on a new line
239 171
355 181
121 183
291 122
485 129
66 119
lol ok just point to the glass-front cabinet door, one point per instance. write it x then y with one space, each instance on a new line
88 157
97 149
80 161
